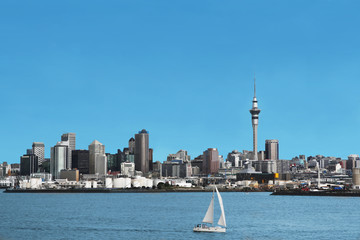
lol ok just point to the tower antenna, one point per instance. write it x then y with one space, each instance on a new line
254 85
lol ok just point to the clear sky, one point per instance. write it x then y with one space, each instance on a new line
184 71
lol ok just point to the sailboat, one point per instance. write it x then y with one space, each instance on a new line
209 217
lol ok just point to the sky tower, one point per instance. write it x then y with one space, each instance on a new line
255 121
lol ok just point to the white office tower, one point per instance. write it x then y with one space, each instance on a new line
128 169
234 157
97 158
38 149
58 158
71 138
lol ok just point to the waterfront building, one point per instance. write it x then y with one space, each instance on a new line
211 162
2 172
43 175
70 174
255 121
71 138
15 168
59 158
38 148
128 169
272 149
4 169
80 160
142 151
28 164
97 158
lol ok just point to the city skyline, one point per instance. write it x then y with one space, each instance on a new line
183 71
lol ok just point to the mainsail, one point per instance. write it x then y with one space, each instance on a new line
209 216
222 221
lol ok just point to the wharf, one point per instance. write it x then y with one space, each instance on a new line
327 193
112 190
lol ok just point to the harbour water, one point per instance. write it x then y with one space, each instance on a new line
173 215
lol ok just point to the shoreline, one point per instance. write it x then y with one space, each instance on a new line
317 193
130 190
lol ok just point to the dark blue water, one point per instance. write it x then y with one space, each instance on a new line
173 215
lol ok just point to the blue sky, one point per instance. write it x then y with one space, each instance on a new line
184 71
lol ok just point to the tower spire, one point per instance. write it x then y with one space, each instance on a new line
255 120
254 86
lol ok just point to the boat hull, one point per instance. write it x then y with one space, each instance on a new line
209 229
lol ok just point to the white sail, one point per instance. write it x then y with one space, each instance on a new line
222 221
209 216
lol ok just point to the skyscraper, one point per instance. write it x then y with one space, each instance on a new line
142 151
38 149
131 146
80 160
59 158
71 138
272 149
211 162
151 151
97 158
255 121
28 164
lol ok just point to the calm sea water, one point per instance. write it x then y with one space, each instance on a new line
173 215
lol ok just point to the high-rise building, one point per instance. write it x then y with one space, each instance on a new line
142 151
114 161
28 164
71 138
151 151
255 121
38 149
176 169
97 158
351 162
272 149
80 160
235 158
131 146
211 162
59 158
180 155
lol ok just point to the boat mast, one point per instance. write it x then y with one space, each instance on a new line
318 180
